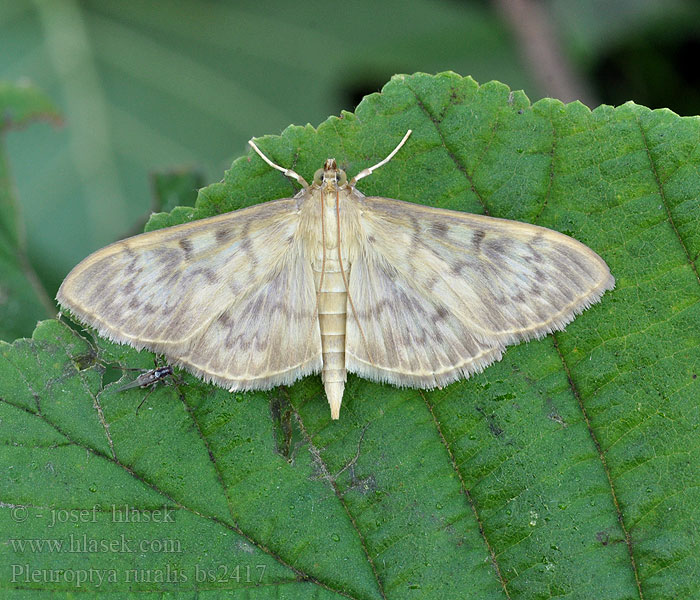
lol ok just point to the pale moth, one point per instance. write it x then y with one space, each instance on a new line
333 281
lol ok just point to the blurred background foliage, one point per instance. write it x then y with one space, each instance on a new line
181 85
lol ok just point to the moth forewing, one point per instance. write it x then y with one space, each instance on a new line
446 304
336 282
212 296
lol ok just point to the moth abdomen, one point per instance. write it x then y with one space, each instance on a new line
332 318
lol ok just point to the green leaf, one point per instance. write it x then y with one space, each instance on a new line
22 298
570 468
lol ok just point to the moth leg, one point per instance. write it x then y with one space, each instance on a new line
370 170
287 172
153 387
177 380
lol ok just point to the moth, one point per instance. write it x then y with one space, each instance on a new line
332 281
149 378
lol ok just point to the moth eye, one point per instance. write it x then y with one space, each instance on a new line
318 177
341 178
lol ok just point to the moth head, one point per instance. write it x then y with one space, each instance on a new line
330 176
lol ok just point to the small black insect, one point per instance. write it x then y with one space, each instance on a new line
149 378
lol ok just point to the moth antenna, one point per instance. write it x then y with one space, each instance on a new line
287 172
370 170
